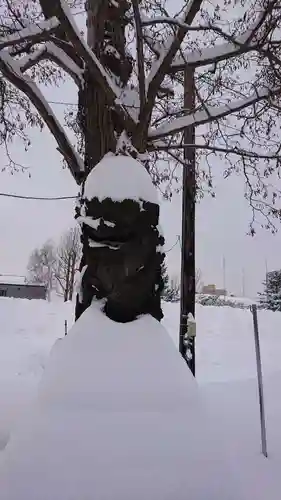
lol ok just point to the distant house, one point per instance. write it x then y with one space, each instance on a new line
17 287
212 290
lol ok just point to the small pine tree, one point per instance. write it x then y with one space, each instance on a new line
271 297
171 289
165 277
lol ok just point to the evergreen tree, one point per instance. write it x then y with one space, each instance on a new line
165 278
171 287
271 297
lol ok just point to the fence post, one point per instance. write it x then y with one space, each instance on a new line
260 380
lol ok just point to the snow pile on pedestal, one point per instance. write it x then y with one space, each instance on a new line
118 417
120 178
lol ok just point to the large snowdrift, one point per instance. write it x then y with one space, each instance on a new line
226 373
118 416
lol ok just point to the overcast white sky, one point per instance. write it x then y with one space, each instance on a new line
221 223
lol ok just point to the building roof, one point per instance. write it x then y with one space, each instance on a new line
13 280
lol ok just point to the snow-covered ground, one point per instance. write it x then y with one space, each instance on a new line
28 329
226 373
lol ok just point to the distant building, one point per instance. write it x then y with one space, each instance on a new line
212 290
17 288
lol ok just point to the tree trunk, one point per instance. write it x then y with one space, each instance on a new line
67 279
128 278
72 276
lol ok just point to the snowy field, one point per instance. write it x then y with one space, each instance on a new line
226 373
28 329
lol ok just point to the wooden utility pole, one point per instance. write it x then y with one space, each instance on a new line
260 380
187 303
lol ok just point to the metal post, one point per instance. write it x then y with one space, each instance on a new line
260 381
65 327
187 303
224 277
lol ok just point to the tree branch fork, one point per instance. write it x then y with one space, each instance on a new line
37 42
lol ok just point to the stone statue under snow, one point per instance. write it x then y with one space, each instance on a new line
122 245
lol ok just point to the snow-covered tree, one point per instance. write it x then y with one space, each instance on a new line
41 266
171 292
129 78
68 257
271 297
198 280
165 278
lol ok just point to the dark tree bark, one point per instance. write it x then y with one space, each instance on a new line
129 277
125 266
106 30
66 291
72 277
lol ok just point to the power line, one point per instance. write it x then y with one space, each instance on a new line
63 103
174 245
40 198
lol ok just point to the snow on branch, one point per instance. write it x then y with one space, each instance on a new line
234 46
210 114
49 51
213 55
161 65
12 71
96 69
33 32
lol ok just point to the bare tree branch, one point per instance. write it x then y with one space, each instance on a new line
157 146
213 55
11 70
35 33
49 51
236 45
160 67
131 83
202 117
94 66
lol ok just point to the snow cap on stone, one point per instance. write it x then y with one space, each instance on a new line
119 178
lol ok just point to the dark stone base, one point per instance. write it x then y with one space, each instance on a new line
123 258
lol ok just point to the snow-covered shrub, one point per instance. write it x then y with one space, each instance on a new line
171 290
213 300
271 297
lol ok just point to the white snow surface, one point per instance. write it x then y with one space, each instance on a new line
15 280
28 329
28 32
119 178
118 415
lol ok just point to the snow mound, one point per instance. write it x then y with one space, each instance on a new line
120 178
118 417
28 329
